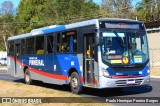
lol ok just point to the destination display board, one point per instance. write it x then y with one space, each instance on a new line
122 25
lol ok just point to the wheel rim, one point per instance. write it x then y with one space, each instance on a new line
27 77
74 82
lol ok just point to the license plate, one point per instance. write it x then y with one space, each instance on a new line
131 81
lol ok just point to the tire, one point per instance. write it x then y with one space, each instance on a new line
76 88
27 77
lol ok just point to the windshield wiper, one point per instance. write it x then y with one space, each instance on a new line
119 39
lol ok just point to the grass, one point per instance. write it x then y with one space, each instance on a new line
155 71
3 66
14 89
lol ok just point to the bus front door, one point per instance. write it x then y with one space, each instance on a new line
88 61
17 63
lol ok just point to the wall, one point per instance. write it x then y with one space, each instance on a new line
154 48
3 54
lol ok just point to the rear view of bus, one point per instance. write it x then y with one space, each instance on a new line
123 54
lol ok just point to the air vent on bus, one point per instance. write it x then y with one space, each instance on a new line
123 83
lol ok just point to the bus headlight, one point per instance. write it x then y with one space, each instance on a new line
148 71
105 72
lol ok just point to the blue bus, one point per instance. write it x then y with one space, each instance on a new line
97 53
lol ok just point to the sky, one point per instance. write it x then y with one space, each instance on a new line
16 2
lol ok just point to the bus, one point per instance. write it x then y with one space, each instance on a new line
97 53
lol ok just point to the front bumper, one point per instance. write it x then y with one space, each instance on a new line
122 82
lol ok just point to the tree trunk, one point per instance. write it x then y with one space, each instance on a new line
5 42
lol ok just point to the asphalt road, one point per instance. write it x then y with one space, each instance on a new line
152 90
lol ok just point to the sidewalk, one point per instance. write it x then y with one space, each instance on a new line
155 77
3 68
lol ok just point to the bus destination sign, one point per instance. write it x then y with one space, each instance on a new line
121 25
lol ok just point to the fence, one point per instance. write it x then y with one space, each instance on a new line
154 57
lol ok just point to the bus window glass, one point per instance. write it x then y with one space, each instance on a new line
69 42
50 44
116 45
23 47
58 43
75 43
11 47
40 45
30 45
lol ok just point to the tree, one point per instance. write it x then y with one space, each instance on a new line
118 8
29 12
7 16
148 10
39 13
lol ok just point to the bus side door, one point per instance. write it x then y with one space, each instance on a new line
17 47
88 64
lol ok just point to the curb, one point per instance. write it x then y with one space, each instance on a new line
3 68
155 77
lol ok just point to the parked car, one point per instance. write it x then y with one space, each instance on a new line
3 61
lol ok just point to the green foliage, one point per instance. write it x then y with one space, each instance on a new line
33 14
6 18
118 8
41 13
148 10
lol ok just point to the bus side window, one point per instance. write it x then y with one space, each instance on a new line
30 45
40 45
75 44
11 47
69 42
23 47
58 43
50 44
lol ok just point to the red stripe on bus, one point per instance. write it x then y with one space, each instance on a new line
81 79
61 77
94 81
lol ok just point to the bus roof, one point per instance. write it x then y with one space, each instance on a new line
55 28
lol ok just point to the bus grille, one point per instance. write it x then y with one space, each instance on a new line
127 68
123 83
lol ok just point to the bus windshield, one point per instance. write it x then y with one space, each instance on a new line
124 48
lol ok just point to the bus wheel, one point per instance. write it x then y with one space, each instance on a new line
75 83
27 77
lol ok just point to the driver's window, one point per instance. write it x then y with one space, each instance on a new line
138 40
144 45
106 44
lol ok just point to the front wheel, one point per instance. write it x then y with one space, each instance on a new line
76 88
27 77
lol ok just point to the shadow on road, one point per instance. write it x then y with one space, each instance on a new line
118 92
46 85
96 92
